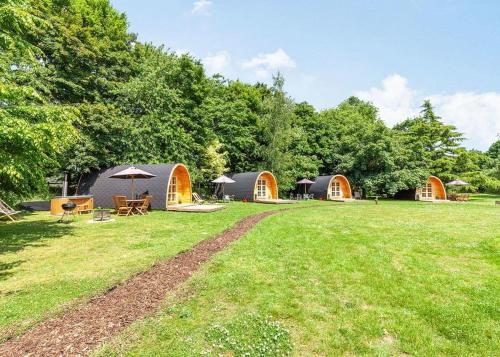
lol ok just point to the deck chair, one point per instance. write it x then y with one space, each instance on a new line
121 207
6 210
197 198
143 209
357 195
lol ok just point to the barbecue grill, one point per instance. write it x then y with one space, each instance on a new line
68 208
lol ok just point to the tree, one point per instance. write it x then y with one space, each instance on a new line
78 92
33 131
163 101
17 19
86 48
494 150
471 160
432 144
233 109
214 162
494 153
351 140
277 133
306 163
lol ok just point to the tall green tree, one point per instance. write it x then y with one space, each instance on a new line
306 162
213 163
33 131
433 144
277 133
233 109
87 48
164 101
494 150
351 140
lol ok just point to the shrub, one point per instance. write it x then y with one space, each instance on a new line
481 182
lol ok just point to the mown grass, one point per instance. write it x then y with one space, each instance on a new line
398 278
47 267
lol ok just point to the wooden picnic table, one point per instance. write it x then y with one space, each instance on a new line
135 204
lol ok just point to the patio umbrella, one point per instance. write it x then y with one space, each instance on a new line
130 174
223 180
457 183
305 182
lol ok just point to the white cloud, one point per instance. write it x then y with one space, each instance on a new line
202 7
394 100
217 63
265 63
477 115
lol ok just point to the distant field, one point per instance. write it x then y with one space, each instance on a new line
398 278
47 267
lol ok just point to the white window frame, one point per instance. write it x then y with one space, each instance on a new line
261 188
426 191
172 190
335 189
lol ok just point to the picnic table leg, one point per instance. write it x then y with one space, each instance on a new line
130 212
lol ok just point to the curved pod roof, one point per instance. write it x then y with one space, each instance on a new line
246 186
103 188
437 190
322 187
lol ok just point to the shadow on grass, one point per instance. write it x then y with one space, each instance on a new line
17 236
5 267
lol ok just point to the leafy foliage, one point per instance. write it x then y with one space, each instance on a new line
213 161
78 92
278 133
431 142
33 131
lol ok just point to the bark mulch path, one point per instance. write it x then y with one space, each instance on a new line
79 331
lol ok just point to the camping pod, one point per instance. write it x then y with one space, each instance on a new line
170 186
253 186
432 190
331 187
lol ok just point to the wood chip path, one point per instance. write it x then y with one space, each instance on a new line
79 331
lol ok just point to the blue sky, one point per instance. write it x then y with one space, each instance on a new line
393 53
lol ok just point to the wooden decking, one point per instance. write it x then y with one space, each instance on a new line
340 199
190 207
276 201
434 200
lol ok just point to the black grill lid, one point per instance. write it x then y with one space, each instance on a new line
68 206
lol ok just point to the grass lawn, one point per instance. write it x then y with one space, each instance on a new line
398 278
46 267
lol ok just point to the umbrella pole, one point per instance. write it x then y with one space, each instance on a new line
133 188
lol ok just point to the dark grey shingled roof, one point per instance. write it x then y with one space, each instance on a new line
320 186
244 186
104 188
